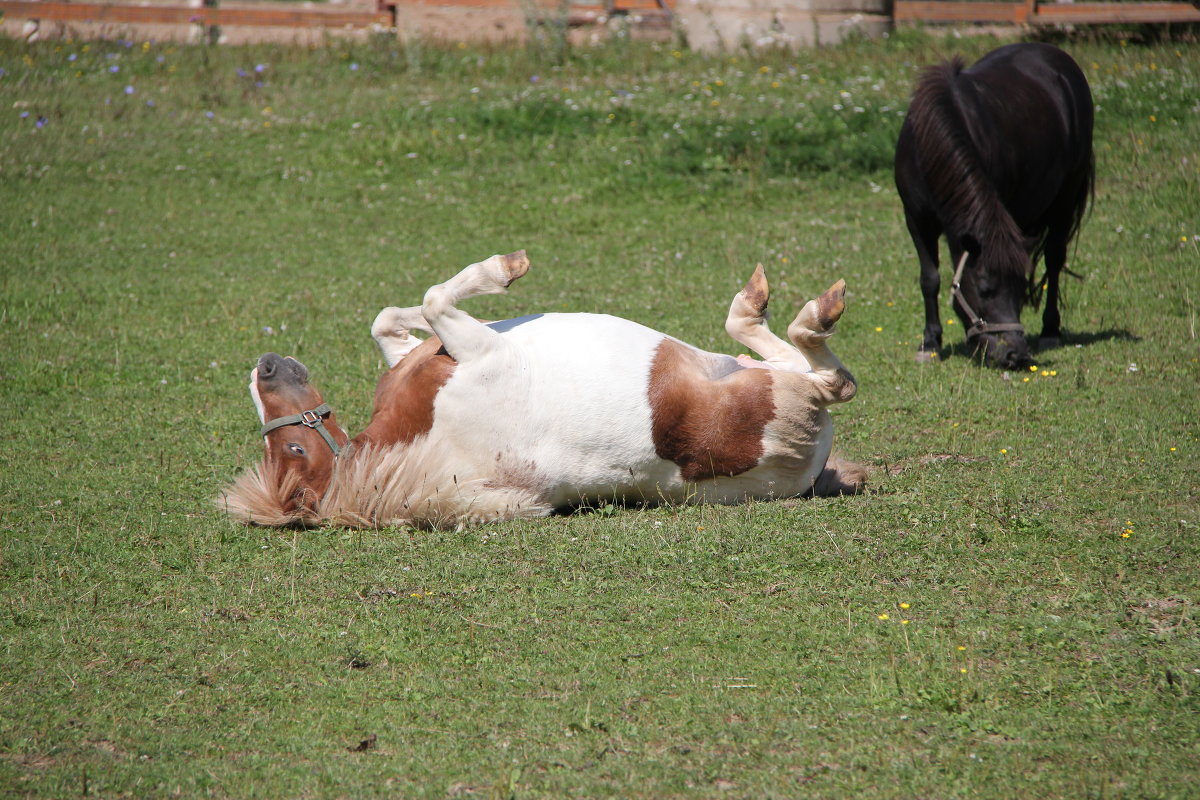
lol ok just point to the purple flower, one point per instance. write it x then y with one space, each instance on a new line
129 90
534 79
209 114
41 121
24 114
72 57
259 67
114 68
354 67
241 72
150 103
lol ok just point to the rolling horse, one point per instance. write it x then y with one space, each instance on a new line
484 421
997 157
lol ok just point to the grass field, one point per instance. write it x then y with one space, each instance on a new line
1010 611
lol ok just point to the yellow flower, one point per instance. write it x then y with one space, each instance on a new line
1003 451
764 70
1053 372
949 322
1153 118
904 605
715 103
883 616
962 670
878 329
1172 449
961 648
1024 380
1125 535
1045 373
903 622
774 84
1033 368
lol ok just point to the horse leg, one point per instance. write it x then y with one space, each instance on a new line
463 336
1056 260
925 239
747 325
810 331
391 331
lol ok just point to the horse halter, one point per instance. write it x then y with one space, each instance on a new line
978 325
309 419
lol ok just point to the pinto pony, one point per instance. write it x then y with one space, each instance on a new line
490 421
997 157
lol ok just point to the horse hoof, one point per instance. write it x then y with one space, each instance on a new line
926 356
1049 342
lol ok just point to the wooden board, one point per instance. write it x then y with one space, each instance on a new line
185 15
1030 13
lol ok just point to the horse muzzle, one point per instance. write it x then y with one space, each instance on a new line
274 367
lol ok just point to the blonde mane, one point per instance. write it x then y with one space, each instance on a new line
378 487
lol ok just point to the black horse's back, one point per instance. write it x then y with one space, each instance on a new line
998 158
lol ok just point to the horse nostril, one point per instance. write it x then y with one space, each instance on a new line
268 365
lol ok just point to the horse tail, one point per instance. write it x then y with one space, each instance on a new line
840 476
964 195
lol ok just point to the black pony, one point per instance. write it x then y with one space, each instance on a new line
999 158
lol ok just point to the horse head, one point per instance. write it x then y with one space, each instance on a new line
988 298
301 437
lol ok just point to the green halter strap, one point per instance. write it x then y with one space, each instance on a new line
309 419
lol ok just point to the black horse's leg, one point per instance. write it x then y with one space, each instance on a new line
925 238
1056 260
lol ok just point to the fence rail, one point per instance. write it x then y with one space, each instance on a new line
1031 12
1027 12
279 16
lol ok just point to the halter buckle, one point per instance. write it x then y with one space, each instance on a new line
310 418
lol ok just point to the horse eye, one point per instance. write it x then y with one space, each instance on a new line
295 448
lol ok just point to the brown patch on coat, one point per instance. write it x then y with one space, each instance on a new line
405 395
708 425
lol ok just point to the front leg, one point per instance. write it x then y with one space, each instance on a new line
1056 260
925 238
463 336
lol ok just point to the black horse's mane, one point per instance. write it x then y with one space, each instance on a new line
956 172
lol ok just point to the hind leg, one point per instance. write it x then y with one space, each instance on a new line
747 325
810 332
463 336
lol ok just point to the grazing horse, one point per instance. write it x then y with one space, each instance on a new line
500 420
997 157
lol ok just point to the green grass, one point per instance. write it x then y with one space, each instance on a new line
154 243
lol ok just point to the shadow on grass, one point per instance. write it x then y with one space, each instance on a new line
967 350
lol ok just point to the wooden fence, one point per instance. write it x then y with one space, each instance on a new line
1032 12
1027 12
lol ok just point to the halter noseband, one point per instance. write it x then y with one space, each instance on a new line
309 419
978 326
